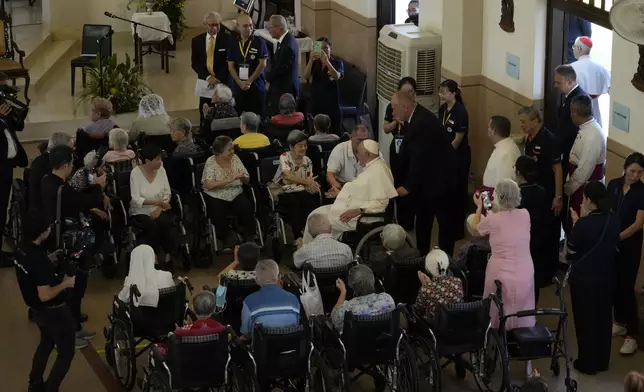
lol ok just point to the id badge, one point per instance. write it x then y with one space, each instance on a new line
243 72
397 143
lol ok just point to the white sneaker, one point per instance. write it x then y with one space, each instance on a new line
618 330
629 347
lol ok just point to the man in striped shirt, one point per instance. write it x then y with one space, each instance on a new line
324 251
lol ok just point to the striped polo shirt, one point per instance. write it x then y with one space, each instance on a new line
271 306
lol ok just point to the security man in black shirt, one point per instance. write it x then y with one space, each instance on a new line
44 292
542 146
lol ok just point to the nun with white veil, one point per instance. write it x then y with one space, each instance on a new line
147 279
370 193
152 119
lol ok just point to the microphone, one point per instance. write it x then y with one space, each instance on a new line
106 36
108 14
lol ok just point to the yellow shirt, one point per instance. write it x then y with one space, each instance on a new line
252 140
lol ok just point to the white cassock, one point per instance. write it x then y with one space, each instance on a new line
500 165
594 79
587 156
370 191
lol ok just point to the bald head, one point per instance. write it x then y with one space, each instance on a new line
245 25
403 105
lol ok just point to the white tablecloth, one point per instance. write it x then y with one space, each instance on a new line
156 19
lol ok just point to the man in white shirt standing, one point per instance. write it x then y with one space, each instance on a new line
588 154
343 165
500 166
591 76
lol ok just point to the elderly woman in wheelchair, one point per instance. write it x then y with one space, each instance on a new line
395 249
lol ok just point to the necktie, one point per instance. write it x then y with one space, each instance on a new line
210 55
279 44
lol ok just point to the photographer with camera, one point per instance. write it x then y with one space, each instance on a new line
44 291
12 120
72 205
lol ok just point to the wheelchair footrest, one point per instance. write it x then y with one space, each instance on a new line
530 342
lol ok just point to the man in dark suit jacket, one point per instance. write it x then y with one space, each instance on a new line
566 132
430 162
283 76
213 68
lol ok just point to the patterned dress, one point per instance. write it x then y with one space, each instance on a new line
441 290
367 305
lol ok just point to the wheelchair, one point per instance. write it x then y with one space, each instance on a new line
164 142
197 363
371 240
236 291
18 208
326 278
131 325
366 226
372 345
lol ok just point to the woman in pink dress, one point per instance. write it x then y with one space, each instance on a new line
510 263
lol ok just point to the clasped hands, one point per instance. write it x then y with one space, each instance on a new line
161 206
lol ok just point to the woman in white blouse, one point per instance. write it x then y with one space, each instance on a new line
224 176
150 204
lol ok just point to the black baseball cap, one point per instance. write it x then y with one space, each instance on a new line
60 155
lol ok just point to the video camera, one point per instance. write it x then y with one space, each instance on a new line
76 238
9 95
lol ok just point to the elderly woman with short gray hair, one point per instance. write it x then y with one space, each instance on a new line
222 104
100 116
118 142
365 301
395 249
181 133
288 111
510 262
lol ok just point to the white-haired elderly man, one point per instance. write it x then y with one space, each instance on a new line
283 76
40 167
369 193
210 53
395 249
591 75
323 251
271 306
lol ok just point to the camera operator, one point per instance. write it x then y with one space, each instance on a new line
73 203
11 152
43 290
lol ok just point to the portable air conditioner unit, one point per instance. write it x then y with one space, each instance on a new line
404 50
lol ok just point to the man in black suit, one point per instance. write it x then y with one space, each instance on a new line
566 132
283 76
209 55
430 161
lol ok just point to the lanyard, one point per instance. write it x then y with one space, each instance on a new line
241 48
446 118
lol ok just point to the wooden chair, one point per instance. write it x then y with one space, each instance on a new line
8 50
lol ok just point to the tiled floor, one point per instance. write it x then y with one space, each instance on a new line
24 14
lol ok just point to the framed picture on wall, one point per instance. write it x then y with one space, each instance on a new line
244 5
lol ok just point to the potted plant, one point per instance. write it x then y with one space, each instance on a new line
174 10
122 84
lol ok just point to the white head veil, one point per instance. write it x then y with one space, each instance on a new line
437 262
151 105
143 275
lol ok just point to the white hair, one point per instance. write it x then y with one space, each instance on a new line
204 304
393 236
90 160
319 224
223 94
278 21
266 272
583 48
211 14
507 195
118 139
58 139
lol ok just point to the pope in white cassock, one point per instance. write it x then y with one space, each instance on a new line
370 192
592 77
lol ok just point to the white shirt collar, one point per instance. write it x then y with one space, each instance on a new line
587 123
282 37
573 89
503 142
412 113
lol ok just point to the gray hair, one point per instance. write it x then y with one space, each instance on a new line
250 120
567 71
181 124
223 94
322 123
582 105
287 104
532 112
507 195
319 224
89 161
58 139
118 139
204 304
220 143
296 136
211 14
266 272
393 236
278 21
361 280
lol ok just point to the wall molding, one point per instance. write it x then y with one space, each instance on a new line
356 17
618 148
319 5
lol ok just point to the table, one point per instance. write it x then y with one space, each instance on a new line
304 44
146 36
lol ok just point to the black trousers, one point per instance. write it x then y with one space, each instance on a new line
624 300
77 294
550 247
6 178
57 328
300 205
160 233
462 198
441 209
253 100
240 207
406 214
591 310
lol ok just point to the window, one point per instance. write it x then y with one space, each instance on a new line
401 11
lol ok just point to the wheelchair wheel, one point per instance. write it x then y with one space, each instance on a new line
490 367
124 355
16 223
406 366
428 364
241 378
328 371
158 382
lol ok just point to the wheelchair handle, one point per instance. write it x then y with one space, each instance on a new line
186 281
134 291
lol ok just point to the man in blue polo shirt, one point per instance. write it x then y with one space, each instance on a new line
271 306
246 62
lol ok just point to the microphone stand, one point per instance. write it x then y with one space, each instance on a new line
138 57
100 61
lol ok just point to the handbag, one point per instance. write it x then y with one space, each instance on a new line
310 296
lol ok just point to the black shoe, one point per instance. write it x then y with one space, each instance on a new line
30 315
36 387
83 317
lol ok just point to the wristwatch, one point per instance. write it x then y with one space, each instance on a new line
362 211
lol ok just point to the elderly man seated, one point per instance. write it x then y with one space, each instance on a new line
250 137
395 249
271 306
343 165
369 193
323 251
